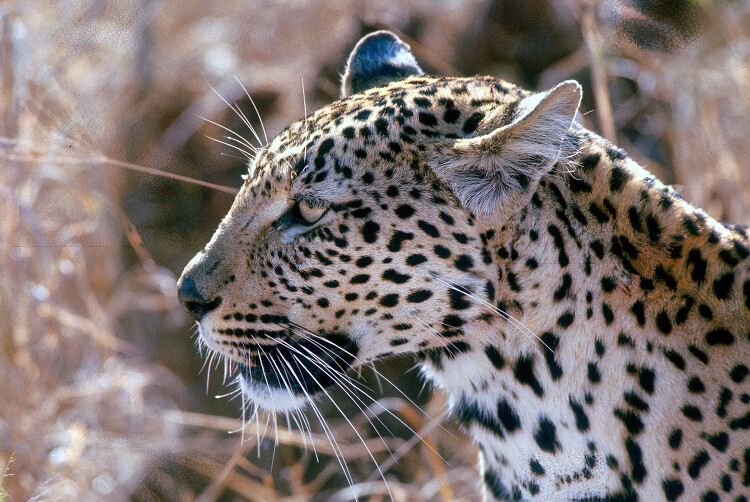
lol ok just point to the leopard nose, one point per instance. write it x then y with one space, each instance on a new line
193 301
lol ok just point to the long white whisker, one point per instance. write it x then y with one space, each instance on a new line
265 136
304 106
515 322
375 371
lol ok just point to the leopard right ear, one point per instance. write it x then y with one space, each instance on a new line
495 174
378 59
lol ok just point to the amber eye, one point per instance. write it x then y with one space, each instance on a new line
309 213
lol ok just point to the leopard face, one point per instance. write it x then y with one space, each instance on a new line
591 328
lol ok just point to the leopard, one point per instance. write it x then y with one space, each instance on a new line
590 327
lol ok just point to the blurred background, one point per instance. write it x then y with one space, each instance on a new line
102 393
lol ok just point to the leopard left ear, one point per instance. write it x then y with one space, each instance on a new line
377 59
496 174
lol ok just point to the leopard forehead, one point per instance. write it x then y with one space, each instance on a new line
343 145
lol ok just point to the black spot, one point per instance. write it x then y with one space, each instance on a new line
536 467
415 259
593 373
624 340
695 385
390 300
557 238
719 336
508 416
325 146
699 265
723 286
631 420
363 115
673 488
404 211
578 186
549 344
740 423
496 487
636 460
546 436
720 440
447 219
582 421
653 227
523 370
442 251
739 373
639 311
398 239
698 354
463 262
359 279
663 323
710 496
395 277
675 358
427 119
322 302
419 296
451 115
662 275
675 439
458 300
363 261
472 122
635 401
513 282
564 288
609 316
370 231
618 178
598 213
495 357
692 413
697 463
646 378
566 319
460 238
428 228
589 162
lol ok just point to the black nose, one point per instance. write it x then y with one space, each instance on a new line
193 301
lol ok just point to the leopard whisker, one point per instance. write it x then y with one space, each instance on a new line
356 432
252 102
377 373
389 412
338 453
504 315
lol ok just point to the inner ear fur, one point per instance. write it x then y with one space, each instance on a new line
495 174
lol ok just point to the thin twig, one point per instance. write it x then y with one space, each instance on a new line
598 73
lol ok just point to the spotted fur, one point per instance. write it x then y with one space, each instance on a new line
591 328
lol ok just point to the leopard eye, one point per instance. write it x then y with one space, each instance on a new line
309 213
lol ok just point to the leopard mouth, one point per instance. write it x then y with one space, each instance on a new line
303 366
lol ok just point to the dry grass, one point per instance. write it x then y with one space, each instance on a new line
99 396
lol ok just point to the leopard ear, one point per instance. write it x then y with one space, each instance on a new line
377 59
496 174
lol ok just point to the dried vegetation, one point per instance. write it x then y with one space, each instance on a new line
100 396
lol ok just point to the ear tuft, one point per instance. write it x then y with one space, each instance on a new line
496 174
377 59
